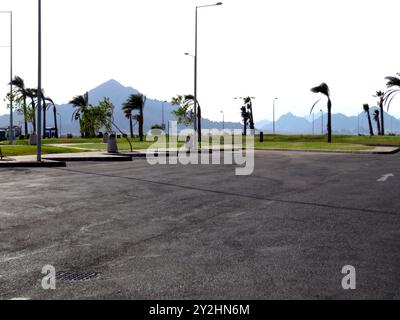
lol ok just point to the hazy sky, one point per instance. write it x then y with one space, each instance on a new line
260 48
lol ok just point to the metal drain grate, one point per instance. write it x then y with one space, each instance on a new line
70 276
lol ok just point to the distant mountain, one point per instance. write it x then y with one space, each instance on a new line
341 124
118 94
262 123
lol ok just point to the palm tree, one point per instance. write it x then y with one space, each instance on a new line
32 95
249 105
366 109
245 116
81 104
185 112
127 109
19 83
376 118
137 102
393 84
381 96
324 89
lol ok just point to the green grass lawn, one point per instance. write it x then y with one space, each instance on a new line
310 145
291 142
12 151
363 140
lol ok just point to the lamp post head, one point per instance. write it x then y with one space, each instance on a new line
219 4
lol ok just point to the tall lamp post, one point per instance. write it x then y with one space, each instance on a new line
322 122
162 117
274 114
39 89
195 69
11 132
223 120
59 116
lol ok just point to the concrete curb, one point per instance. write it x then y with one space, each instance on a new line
32 164
111 158
364 152
143 154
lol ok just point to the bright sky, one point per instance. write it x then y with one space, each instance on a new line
266 49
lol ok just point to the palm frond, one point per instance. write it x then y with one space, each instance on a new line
392 82
322 88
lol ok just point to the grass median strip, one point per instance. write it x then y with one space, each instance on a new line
13 151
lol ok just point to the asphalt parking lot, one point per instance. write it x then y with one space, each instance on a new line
200 232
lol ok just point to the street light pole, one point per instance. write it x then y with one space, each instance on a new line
163 118
273 102
59 116
223 120
195 71
11 132
39 89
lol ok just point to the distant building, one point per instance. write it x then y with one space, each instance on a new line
5 131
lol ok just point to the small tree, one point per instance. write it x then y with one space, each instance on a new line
185 112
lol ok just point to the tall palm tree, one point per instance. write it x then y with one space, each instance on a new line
245 116
137 102
324 89
377 120
249 105
19 83
31 93
393 84
381 95
366 109
81 104
128 109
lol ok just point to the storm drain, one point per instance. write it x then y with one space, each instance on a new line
70 276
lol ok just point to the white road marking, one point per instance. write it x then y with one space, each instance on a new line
22 298
385 177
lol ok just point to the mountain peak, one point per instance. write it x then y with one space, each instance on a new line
109 84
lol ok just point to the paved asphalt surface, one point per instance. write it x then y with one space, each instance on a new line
200 232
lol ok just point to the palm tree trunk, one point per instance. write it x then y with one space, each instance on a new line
251 117
329 121
131 125
378 123
371 130
25 117
245 128
199 123
55 121
382 117
80 128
